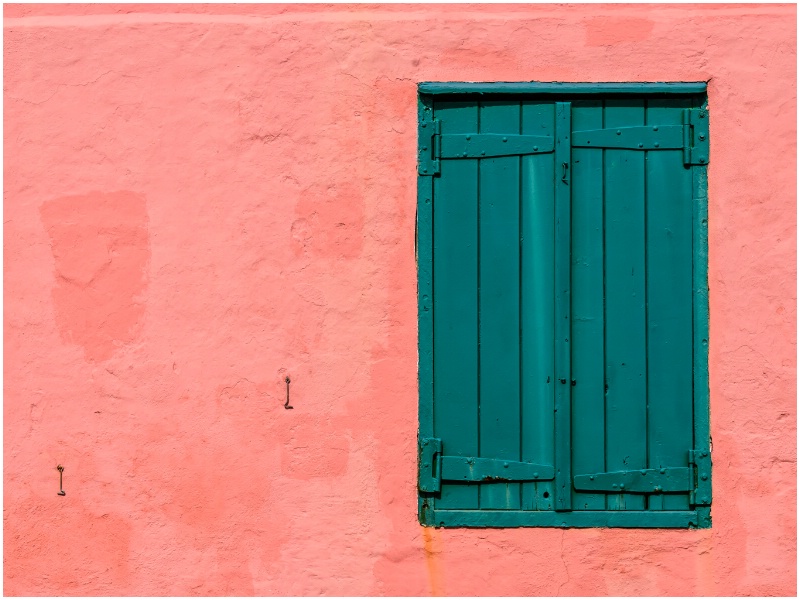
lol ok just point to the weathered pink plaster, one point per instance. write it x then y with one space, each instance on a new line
203 199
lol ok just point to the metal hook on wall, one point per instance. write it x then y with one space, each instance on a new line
61 491
286 406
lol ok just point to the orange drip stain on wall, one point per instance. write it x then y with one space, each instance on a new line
432 544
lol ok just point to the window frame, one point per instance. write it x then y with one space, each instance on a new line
698 517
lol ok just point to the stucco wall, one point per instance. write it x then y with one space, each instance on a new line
201 200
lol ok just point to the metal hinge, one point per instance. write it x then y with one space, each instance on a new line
434 468
433 146
492 145
691 137
694 479
641 137
430 465
640 481
695 136
701 494
429 137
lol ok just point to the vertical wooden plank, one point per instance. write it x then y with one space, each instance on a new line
626 360
537 310
669 304
563 247
499 304
588 370
455 303
425 290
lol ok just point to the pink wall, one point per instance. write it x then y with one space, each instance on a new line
202 199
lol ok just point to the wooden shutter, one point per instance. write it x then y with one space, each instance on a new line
493 274
632 311
559 323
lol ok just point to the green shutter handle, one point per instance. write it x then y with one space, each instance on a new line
564 167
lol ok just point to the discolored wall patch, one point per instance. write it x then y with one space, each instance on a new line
101 249
610 31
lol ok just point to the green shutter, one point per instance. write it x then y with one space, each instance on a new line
562 297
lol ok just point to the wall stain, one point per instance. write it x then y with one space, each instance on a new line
433 548
101 248
609 31
330 221
95 545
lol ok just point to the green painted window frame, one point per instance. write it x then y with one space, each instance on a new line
428 514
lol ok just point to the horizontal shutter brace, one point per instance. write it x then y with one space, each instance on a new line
694 480
434 468
488 145
691 137
649 137
642 481
434 146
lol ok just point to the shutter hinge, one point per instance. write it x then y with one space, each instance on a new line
696 480
429 140
492 145
433 146
695 136
435 468
641 481
701 461
430 465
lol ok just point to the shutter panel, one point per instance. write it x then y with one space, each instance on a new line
493 271
644 264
